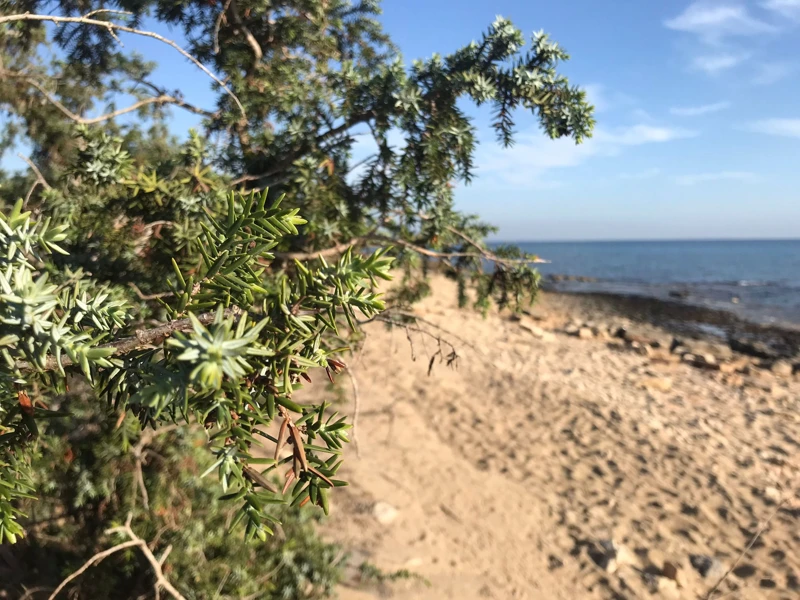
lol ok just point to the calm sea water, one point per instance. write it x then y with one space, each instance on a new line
760 280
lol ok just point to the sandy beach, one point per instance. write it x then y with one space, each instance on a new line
572 453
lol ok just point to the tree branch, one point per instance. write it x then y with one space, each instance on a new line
111 27
344 246
292 156
162 99
141 338
134 541
40 180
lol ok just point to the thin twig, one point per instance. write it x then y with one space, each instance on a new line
40 180
109 26
94 560
143 296
162 99
356 409
161 581
755 537
36 170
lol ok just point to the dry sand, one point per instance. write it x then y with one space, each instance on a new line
512 474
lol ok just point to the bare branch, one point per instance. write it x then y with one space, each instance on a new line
161 581
94 560
111 27
36 170
344 246
159 100
40 180
218 24
332 251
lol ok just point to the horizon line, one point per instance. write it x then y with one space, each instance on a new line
640 240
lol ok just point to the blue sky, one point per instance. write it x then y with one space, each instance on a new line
698 125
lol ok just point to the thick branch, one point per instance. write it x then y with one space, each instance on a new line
141 338
111 27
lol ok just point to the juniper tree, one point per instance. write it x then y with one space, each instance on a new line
201 282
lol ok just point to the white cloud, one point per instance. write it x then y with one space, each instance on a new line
779 127
646 174
719 176
534 154
786 8
696 111
769 73
716 63
713 21
604 99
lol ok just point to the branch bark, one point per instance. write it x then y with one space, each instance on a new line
112 27
141 338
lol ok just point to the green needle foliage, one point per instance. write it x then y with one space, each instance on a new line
200 283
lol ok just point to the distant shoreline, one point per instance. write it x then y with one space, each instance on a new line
686 319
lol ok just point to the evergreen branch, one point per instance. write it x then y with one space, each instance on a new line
141 338
111 27
134 541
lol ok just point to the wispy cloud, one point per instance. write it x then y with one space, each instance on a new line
646 174
696 111
785 8
713 21
769 73
605 99
716 63
779 127
718 176
525 164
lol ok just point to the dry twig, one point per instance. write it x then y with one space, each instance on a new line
161 582
112 28
755 537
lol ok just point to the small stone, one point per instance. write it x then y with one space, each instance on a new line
571 329
670 571
384 513
660 384
585 333
782 368
688 357
668 587
708 567
772 495
531 328
640 348
709 359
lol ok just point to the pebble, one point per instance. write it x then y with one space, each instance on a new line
772 495
782 368
384 513
585 333
708 567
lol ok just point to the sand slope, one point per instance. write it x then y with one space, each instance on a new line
510 472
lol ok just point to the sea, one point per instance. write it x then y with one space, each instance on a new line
758 280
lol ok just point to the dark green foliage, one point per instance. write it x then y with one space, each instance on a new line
87 478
